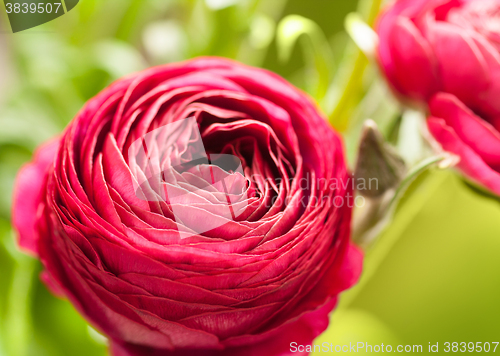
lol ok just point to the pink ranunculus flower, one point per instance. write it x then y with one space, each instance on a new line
168 252
460 131
445 55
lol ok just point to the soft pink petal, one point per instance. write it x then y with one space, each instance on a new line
28 194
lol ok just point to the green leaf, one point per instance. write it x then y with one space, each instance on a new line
427 186
165 41
362 34
316 48
377 104
411 144
117 58
17 323
262 31
348 87
6 269
378 161
11 158
59 327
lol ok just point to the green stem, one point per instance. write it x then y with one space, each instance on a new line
370 10
413 174
338 117
17 324
352 86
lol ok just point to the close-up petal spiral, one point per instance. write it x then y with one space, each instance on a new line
194 208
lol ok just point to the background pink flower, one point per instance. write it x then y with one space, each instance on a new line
446 54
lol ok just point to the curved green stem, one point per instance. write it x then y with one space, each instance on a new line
352 86
413 174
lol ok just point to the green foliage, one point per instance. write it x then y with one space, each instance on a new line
318 54
430 277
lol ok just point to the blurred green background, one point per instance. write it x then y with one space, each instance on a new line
432 276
